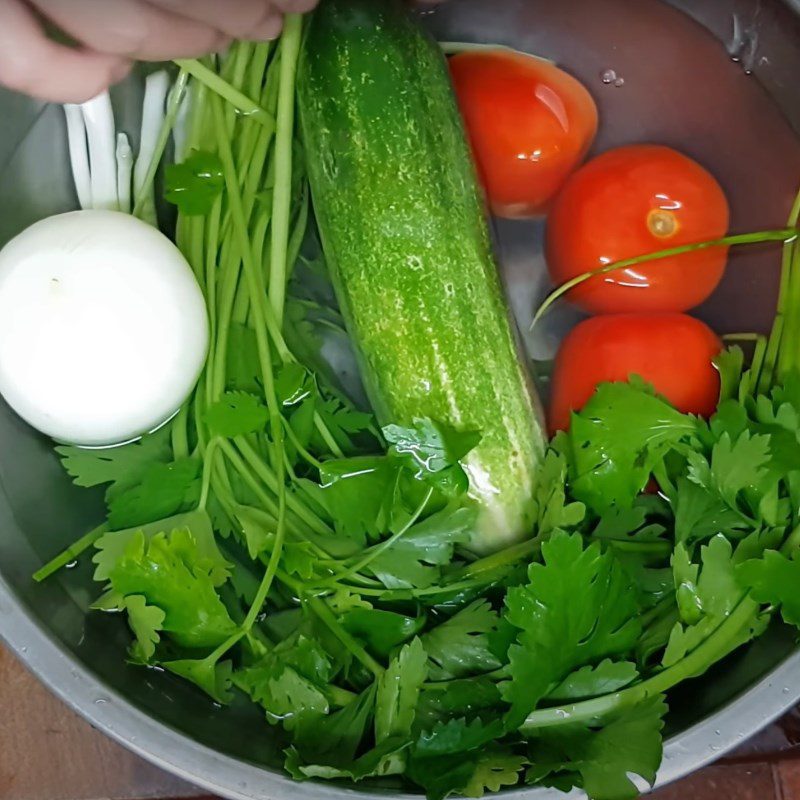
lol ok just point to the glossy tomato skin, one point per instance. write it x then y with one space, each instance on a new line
629 202
530 125
673 352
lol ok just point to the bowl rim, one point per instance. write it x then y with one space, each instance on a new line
176 752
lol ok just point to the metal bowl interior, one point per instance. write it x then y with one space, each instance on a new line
682 88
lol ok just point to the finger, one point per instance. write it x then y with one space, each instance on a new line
269 29
295 6
130 28
236 18
33 64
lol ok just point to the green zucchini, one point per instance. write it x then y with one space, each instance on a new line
404 231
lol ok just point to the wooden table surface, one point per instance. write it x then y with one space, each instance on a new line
49 753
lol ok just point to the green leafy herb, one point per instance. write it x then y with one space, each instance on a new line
578 607
433 452
170 573
398 692
622 433
774 579
460 646
195 184
146 622
120 467
236 414
706 597
208 674
382 631
601 760
495 768
590 681
164 489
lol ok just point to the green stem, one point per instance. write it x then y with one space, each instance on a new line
180 434
173 106
503 558
778 330
248 477
757 365
642 548
298 445
374 552
742 337
70 554
208 468
229 93
760 237
272 566
270 479
320 608
284 140
298 233
706 653
211 272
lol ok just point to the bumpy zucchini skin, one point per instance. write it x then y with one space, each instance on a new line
404 231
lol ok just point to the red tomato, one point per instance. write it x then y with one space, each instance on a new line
633 201
530 125
673 352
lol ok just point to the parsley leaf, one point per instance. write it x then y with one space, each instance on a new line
601 760
462 699
289 682
380 630
590 681
579 607
195 184
432 450
236 414
734 466
145 621
287 696
171 573
398 691
552 509
460 646
333 740
457 736
441 776
730 365
341 420
257 529
164 489
443 760
774 579
212 677
121 467
614 443
708 597
495 768
414 560
111 547
385 759
360 494
700 514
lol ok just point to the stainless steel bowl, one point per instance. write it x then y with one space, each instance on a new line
680 86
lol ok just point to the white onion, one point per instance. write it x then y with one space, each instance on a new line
103 327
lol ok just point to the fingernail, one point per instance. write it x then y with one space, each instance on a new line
269 29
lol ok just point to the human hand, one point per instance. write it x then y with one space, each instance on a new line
111 34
